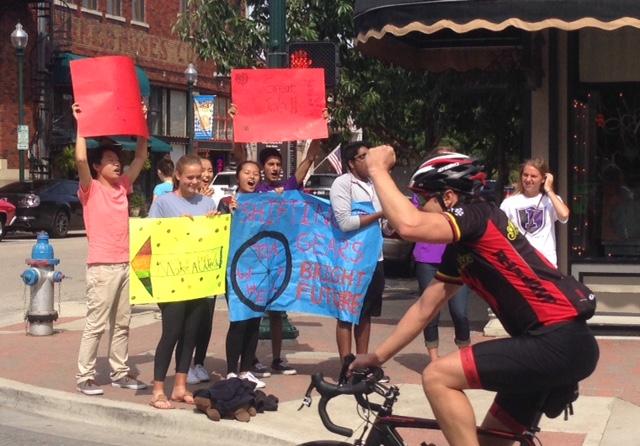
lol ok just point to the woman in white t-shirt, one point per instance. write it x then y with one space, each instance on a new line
535 207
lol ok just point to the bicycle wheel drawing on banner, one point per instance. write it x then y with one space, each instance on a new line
260 270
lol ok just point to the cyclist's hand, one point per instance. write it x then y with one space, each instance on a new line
380 158
213 213
364 361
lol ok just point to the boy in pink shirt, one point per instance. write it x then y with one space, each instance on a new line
106 215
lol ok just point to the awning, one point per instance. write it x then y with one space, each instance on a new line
62 73
412 33
156 144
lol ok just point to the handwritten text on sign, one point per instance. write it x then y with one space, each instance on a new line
174 259
287 254
278 104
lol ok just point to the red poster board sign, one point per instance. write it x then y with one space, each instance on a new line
278 104
108 93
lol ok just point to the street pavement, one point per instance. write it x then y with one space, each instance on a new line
37 375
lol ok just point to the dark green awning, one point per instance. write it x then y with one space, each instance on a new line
156 144
62 73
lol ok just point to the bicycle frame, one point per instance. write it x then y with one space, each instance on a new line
384 431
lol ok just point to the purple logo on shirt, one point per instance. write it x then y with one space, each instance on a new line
531 219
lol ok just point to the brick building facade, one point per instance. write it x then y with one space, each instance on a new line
63 30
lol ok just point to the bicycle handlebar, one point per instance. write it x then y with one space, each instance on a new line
364 382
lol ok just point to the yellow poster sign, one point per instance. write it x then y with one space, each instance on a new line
176 259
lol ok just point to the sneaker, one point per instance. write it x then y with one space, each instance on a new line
89 387
231 375
251 378
260 370
129 382
192 376
281 367
201 373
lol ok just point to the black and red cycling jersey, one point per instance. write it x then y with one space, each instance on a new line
493 258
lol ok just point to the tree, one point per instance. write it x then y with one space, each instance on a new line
411 110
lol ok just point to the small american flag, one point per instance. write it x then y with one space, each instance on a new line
335 159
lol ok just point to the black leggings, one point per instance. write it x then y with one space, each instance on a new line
180 323
242 342
204 334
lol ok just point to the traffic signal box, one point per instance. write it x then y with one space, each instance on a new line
316 55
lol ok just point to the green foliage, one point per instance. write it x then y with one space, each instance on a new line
137 200
411 110
64 163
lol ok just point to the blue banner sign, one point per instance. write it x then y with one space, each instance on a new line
203 106
288 254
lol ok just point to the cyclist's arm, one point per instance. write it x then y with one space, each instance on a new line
409 222
416 318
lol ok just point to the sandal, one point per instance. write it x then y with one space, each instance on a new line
160 402
186 397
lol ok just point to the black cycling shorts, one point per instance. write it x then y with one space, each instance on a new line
372 304
524 369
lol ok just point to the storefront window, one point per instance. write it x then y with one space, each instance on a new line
605 171
157 112
223 124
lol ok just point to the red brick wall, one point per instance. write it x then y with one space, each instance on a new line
12 12
155 48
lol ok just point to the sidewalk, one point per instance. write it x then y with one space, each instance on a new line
37 375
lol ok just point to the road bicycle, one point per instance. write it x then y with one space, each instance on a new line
383 430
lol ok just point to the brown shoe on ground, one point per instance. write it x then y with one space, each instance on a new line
202 403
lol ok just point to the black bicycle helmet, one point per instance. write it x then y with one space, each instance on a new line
443 171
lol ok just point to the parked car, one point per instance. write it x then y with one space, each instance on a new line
45 205
397 250
319 184
223 184
7 216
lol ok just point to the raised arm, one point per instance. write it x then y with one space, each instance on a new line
411 325
312 153
305 165
409 222
141 154
82 160
561 209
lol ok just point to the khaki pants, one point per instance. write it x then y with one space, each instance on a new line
107 301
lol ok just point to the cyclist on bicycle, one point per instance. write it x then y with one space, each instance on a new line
544 311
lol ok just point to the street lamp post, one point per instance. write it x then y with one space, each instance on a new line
191 75
19 39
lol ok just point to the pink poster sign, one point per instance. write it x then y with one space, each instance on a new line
278 104
108 93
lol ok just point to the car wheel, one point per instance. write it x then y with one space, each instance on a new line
60 226
2 229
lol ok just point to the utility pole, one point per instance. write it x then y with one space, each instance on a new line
277 55
277 58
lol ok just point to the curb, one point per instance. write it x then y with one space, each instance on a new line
68 407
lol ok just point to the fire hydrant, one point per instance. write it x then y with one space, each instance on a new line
41 278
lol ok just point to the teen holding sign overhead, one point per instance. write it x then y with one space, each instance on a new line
99 85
